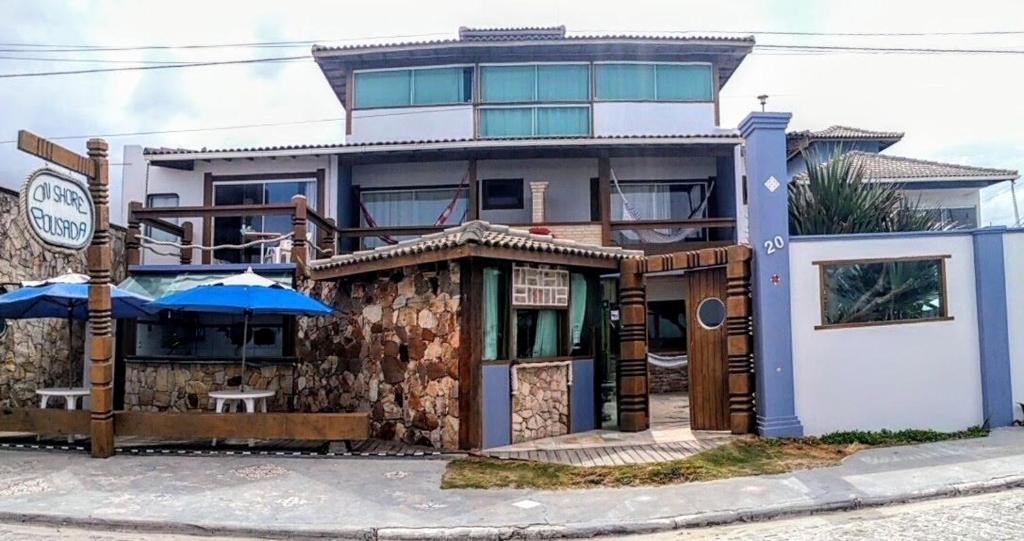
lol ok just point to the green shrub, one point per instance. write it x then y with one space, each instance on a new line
899 437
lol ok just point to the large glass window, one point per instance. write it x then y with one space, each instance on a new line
209 336
532 121
163 200
875 292
397 88
410 206
660 200
655 82
535 83
239 230
960 218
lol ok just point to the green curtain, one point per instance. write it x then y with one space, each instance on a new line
563 121
568 82
383 88
684 83
506 122
508 83
578 309
545 343
437 86
492 317
625 81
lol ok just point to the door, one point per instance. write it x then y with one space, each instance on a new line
709 364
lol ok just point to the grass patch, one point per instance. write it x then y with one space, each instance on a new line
743 457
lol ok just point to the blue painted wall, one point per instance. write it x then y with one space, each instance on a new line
765 135
497 405
584 396
993 329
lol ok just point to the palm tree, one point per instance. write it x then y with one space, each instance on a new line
835 198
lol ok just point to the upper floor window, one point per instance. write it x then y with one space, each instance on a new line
655 82
426 206
428 86
162 200
534 121
535 83
244 229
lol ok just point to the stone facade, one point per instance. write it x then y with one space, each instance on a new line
540 407
391 350
667 380
34 352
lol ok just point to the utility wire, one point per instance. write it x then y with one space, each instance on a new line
158 67
66 48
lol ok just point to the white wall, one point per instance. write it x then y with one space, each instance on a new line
649 118
1013 254
923 375
412 124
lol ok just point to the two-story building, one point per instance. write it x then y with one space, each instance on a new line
612 142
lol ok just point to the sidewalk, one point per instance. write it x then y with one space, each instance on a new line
400 498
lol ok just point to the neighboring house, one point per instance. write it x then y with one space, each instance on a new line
951 191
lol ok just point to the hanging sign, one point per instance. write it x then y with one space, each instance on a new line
58 210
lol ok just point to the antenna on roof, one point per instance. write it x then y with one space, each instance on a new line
763 98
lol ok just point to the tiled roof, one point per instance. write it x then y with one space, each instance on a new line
511 33
885 167
537 34
163 151
798 140
478 233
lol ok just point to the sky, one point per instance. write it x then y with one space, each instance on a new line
953 107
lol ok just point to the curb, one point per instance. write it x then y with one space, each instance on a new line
531 532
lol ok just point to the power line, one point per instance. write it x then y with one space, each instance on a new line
887 50
65 48
163 66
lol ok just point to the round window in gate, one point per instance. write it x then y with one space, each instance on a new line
711 313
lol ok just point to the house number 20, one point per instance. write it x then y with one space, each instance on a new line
777 243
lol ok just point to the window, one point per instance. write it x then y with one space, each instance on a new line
655 82
961 218
410 206
660 200
535 83
495 314
534 121
209 336
163 200
502 193
666 326
238 230
877 292
397 88
539 333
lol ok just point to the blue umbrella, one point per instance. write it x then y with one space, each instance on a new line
65 297
246 294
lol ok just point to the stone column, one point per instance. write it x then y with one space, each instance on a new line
538 199
768 202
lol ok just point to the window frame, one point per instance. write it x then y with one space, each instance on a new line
157 234
484 192
469 101
713 98
823 297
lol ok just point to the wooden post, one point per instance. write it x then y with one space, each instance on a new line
473 202
604 195
740 344
631 369
328 240
187 236
99 260
300 252
132 245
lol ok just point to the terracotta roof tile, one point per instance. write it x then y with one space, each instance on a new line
885 167
799 140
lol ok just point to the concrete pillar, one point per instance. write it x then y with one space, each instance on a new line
768 204
993 330
538 199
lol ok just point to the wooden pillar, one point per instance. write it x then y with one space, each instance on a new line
207 255
740 344
473 202
604 195
631 370
99 260
187 237
132 244
328 241
300 252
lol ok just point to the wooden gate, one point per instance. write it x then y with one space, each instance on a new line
721 349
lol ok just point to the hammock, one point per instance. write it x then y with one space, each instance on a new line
668 361
659 236
442 219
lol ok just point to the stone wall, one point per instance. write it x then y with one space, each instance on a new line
667 380
186 386
540 407
34 352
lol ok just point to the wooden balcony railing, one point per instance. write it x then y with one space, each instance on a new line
298 209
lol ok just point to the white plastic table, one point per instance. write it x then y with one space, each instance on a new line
249 399
70 395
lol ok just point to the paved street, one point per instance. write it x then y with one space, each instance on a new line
21 532
988 517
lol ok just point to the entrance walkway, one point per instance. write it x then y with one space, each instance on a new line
669 438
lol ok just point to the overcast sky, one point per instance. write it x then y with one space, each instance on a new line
957 108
